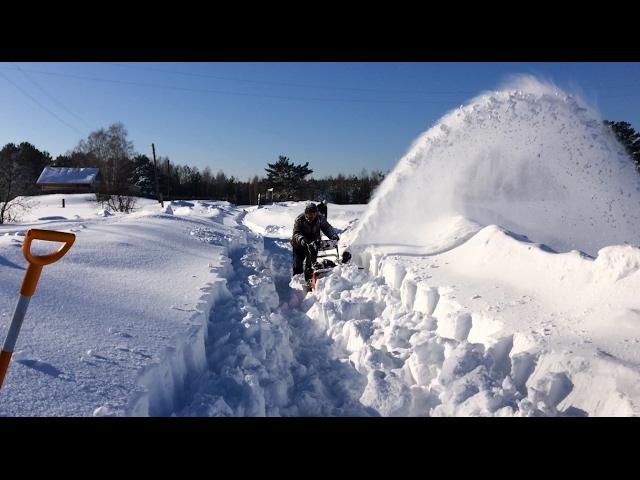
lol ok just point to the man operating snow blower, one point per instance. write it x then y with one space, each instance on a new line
306 232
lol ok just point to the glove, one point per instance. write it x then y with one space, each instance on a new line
303 243
335 237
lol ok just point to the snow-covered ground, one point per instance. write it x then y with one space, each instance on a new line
127 302
494 273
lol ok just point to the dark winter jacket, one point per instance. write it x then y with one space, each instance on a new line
310 231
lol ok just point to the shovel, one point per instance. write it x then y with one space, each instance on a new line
29 282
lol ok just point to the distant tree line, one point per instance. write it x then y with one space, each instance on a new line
189 182
289 183
126 174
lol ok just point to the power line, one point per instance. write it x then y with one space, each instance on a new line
39 104
329 87
226 92
60 104
288 84
248 94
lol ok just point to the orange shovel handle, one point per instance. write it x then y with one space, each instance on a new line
36 262
51 236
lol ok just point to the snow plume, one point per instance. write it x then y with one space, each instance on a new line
529 157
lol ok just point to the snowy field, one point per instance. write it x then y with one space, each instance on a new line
495 273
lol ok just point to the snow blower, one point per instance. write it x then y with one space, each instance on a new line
324 262
29 282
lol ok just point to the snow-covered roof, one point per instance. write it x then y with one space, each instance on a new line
67 175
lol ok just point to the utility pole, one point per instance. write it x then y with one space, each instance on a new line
155 170
168 179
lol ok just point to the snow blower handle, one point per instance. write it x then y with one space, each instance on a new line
36 262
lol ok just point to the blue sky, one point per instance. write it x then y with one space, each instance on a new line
339 117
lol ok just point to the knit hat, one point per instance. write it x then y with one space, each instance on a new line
311 207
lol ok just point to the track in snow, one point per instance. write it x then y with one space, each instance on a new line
264 356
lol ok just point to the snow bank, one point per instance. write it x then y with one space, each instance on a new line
433 348
119 325
529 158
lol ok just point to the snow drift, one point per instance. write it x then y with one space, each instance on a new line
530 158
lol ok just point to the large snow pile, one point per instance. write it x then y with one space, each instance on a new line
494 327
529 158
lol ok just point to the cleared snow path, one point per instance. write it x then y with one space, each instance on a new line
264 356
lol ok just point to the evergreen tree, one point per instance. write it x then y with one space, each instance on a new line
30 163
628 137
143 176
286 178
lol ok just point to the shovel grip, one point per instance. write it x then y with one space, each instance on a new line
36 262
50 236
